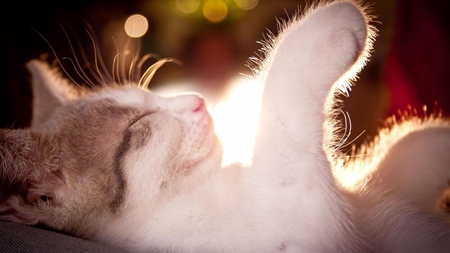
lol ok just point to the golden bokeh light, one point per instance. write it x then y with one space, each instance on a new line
136 26
235 121
215 10
246 4
187 6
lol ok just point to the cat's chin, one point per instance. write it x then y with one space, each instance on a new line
200 143
208 157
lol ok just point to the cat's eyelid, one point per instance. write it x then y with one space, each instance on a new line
136 118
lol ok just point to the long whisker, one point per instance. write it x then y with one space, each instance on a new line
100 59
104 83
133 62
76 69
79 69
114 68
347 131
57 59
116 63
150 72
131 68
141 63
344 143
125 53
354 139
86 61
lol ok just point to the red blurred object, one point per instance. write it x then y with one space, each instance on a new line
418 65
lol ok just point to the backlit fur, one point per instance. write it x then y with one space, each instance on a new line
124 166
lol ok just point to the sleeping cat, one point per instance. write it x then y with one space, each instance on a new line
124 166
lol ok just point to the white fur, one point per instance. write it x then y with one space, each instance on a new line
291 198
288 199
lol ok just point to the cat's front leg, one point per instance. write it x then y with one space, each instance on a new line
294 183
309 59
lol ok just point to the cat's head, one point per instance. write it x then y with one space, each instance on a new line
90 155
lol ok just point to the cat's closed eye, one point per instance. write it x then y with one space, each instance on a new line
136 119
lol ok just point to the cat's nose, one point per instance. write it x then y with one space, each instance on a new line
187 103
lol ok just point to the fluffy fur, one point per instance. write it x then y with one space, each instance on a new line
126 167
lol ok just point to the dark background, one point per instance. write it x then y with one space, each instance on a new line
410 64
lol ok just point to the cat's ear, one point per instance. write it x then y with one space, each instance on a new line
30 178
50 90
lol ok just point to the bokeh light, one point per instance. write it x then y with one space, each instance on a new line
215 10
246 4
187 6
136 26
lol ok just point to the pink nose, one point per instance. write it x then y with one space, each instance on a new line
187 103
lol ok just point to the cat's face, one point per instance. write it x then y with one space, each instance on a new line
138 132
120 149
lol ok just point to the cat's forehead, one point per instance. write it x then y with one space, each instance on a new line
132 97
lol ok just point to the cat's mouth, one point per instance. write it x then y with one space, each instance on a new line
199 140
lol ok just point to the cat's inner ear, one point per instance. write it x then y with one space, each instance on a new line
31 180
50 90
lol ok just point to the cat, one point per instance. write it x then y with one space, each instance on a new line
123 166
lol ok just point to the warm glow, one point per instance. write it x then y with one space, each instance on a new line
187 6
246 4
235 121
215 10
235 116
136 26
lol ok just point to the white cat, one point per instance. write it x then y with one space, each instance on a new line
126 167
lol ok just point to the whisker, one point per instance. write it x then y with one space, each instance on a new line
58 60
343 145
347 132
150 72
354 139
362 155
86 61
133 62
113 68
95 59
141 63
131 68
100 58
116 66
79 69
125 53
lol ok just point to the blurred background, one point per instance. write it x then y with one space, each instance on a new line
213 40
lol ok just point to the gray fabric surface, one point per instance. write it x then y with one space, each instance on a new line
16 238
